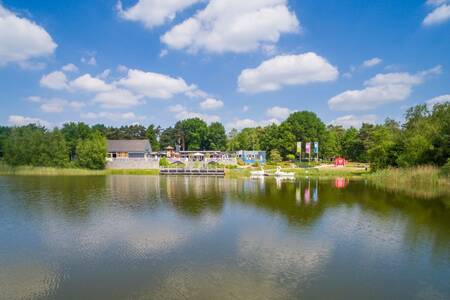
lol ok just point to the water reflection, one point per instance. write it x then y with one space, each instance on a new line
200 238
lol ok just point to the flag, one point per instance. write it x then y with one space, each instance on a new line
299 147
316 147
308 148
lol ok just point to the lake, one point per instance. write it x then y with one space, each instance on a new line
151 237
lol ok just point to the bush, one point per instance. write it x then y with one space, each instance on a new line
91 152
256 164
240 162
290 157
164 162
275 155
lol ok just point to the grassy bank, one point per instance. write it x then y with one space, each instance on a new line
43 171
422 181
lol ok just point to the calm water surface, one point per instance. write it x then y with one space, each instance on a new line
138 237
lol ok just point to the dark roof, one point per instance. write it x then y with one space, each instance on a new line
129 146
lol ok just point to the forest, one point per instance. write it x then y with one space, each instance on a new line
422 138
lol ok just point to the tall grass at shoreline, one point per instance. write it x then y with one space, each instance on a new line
44 171
421 181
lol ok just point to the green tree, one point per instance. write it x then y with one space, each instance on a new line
53 150
168 137
274 155
192 133
23 145
233 143
73 132
153 133
301 126
91 152
4 134
216 139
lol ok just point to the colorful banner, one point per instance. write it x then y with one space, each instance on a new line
308 148
316 147
299 147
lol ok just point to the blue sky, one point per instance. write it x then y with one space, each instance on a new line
244 63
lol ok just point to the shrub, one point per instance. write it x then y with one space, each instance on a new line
275 155
240 162
290 157
164 162
256 164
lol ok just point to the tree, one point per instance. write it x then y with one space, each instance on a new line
168 138
23 145
4 134
275 156
301 126
153 133
271 139
53 150
233 143
192 133
73 132
217 139
91 152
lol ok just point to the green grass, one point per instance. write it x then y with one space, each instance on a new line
421 181
44 171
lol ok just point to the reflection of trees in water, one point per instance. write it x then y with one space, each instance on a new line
71 195
304 202
194 195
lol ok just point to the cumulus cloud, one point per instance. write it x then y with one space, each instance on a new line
117 98
438 100
89 59
127 116
22 39
278 112
17 120
182 113
354 121
440 14
245 123
273 74
372 62
56 80
153 13
211 104
233 26
88 83
154 85
69 68
379 90
58 105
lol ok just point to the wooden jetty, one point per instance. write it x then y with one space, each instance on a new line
193 172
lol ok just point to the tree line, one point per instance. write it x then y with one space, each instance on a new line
423 138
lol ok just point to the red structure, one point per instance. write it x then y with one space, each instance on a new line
339 162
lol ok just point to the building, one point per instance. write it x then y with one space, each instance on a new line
128 149
250 157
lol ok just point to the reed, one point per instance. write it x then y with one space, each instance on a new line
420 181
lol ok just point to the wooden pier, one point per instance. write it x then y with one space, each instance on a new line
192 172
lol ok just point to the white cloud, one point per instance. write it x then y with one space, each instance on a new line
105 74
245 108
278 112
354 121
127 116
153 13
69 68
154 85
233 25
16 120
56 80
379 90
22 39
273 74
182 113
246 123
117 98
35 99
372 62
211 104
439 15
31 65
88 83
57 105
438 100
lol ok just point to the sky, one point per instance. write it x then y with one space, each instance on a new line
243 63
